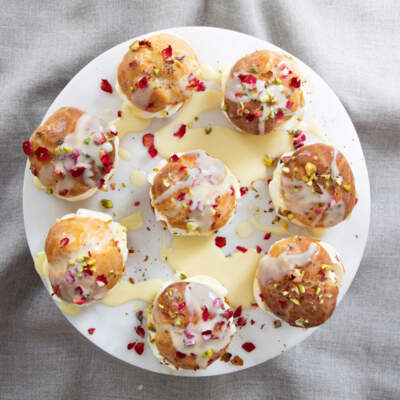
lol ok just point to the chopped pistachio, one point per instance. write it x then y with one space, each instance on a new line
277 323
310 168
207 130
295 301
290 216
106 203
156 71
134 46
268 161
182 276
87 140
277 81
253 69
302 289
347 188
207 354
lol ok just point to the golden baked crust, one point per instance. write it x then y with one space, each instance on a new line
91 241
50 138
267 68
304 295
156 72
167 309
311 176
177 208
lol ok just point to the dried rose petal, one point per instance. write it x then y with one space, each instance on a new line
105 86
131 345
166 53
136 203
282 302
196 84
178 354
267 236
205 315
238 312
79 302
181 196
259 249
289 104
295 83
241 248
139 315
144 43
27 147
63 192
279 115
56 290
181 306
42 154
206 335
139 348
140 331
217 302
174 158
119 113
220 241
244 190
250 117
101 280
152 151
148 140
91 331
143 83
64 242
181 131
227 314
77 171
249 79
241 322
248 346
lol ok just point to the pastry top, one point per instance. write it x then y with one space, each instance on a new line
72 153
86 253
263 90
314 186
299 280
192 323
194 193
159 74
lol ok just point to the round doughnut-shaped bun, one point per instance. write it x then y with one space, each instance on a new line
298 281
193 193
86 253
262 92
158 74
313 186
191 323
72 153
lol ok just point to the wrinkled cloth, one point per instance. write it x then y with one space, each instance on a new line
355 47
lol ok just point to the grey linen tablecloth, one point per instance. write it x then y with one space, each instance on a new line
355 47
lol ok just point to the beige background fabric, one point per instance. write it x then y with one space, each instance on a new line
355 47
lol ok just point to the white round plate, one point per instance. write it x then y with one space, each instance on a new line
115 326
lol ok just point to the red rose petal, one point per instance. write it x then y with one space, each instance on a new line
279 115
119 114
220 241
42 154
148 140
143 83
140 331
267 236
241 322
196 84
206 335
79 302
77 171
282 302
144 43
27 147
64 242
238 312
174 158
181 196
136 203
181 131
139 315
56 290
355 201
295 83
139 348
249 79
227 314
101 280
105 86
244 190
289 104
131 345
181 306
178 354
205 315
241 248
248 346
91 331
166 53
259 249
63 192
152 151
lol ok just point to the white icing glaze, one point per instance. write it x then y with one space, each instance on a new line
272 269
71 273
84 150
203 294
206 181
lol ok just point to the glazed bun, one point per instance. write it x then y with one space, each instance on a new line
262 92
313 186
191 323
158 74
193 193
72 153
298 281
86 253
